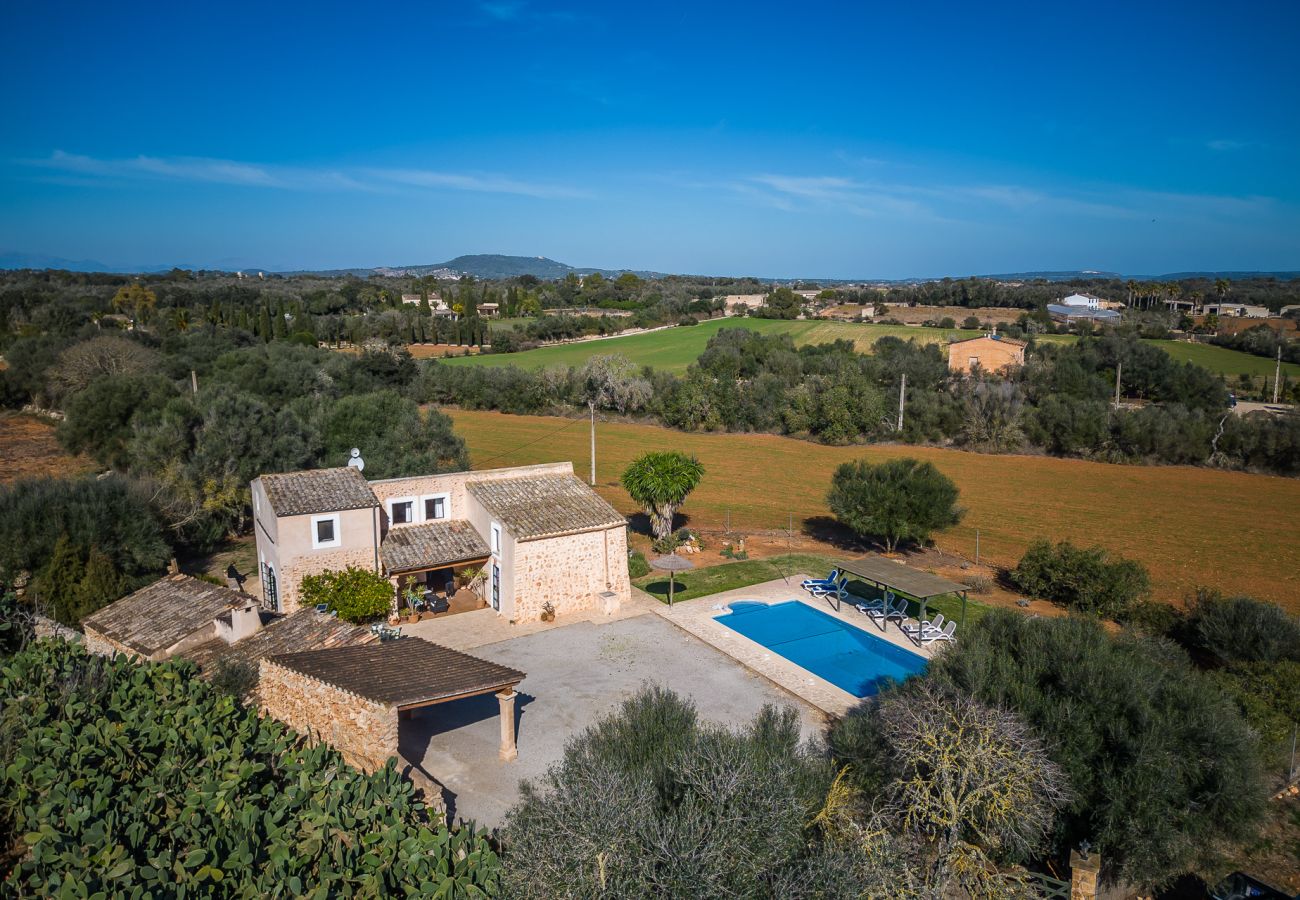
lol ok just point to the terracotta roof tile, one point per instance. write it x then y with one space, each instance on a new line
163 613
305 629
318 491
402 672
538 506
431 544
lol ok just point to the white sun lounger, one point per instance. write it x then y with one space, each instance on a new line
948 633
824 589
885 613
920 629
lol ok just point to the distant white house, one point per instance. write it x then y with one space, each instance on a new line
1084 300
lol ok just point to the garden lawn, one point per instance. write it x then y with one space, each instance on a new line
1189 526
732 575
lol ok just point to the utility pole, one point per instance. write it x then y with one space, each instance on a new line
592 405
977 546
1119 367
1277 374
902 397
194 382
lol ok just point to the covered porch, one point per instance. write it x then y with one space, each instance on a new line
437 568
887 576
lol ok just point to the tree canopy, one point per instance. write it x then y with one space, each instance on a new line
660 481
895 501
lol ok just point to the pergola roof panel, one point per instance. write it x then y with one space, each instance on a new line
903 579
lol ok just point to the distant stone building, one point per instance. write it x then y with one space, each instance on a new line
987 353
537 534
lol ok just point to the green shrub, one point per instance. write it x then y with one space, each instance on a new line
897 501
1085 580
1162 765
122 779
1242 629
357 595
651 802
1268 694
637 567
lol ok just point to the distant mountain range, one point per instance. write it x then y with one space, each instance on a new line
495 265
482 265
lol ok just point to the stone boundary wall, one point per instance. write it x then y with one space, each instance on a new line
364 731
44 627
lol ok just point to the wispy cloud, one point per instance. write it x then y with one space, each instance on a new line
943 200
296 178
1223 145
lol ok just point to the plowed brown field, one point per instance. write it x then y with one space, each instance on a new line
1188 526
28 449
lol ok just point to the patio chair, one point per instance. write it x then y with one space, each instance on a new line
828 580
948 633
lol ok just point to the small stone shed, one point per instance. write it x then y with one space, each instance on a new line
162 619
353 698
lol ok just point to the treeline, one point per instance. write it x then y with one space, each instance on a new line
181 457
1261 341
1059 403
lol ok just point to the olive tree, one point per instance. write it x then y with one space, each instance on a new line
613 382
899 500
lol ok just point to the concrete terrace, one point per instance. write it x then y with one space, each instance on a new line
578 672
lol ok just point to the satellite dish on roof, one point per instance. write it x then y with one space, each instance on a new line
355 460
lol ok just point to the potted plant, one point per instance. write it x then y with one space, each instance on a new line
412 597
548 612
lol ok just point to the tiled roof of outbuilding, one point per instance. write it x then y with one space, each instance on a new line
407 671
538 506
161 614
318 491
305 629
431 544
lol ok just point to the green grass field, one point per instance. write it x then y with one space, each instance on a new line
673 349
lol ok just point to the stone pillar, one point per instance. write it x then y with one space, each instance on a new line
509 751
1084 871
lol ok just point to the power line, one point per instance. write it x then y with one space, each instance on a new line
548 434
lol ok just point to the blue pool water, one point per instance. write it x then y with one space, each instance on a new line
846 656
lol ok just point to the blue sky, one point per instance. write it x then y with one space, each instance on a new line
776 139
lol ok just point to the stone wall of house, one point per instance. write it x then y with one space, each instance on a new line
364 731
293 571
103 645
570 572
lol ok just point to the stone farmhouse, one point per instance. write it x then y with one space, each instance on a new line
986 353
525 539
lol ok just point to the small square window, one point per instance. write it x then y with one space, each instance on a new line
435 507
325 531
402 512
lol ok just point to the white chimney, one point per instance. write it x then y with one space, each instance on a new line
239 622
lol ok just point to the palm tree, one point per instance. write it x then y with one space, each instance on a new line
1221 287
660 481
181 318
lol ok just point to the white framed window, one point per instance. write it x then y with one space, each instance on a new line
401 510
435 507
496 538
325 531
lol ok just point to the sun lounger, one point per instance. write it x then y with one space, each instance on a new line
885 613
920 629
866 606
828 581
948 633
821 590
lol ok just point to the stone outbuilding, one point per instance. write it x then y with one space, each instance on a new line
354 698
520 539
179 616
986 353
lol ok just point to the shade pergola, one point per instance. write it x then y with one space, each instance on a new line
672 564
901 579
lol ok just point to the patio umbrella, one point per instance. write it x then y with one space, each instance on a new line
672 564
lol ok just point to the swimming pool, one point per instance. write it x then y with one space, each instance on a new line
846 656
